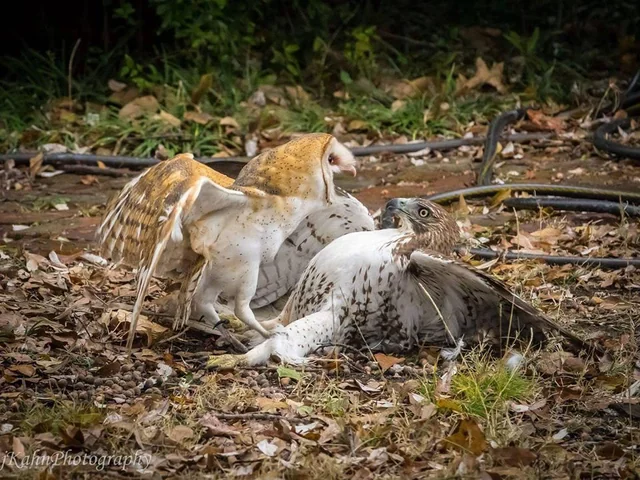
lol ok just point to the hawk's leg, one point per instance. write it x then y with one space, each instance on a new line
291 343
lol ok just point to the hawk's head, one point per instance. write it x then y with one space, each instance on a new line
430 224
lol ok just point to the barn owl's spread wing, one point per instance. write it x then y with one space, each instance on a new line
278 277
147 224
154 210
472 300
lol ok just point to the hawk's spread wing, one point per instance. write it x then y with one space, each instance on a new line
316 231
472 301
146 225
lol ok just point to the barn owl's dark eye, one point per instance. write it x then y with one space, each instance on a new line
424 212
332 159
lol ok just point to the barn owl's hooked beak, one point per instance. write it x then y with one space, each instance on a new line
341 159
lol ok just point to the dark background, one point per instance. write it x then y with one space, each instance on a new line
56 26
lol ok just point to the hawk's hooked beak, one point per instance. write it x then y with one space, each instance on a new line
392 211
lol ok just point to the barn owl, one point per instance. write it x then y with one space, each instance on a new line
394 289
183 220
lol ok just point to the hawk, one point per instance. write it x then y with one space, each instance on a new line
393 289
181 219
279 277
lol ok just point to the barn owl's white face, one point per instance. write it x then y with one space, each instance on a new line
336 159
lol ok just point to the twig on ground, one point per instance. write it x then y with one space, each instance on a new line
259 416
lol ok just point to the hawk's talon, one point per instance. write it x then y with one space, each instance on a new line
224 362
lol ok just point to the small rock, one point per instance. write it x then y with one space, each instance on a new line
127 367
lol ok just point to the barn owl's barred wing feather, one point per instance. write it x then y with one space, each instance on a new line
478 296
316 231
135 219
154 212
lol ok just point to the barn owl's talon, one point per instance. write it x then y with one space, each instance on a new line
224 362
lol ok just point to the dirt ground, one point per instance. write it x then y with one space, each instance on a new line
67 384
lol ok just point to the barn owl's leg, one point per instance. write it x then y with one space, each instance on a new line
243 297
291 343
204 303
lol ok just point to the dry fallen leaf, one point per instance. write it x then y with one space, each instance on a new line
410 88
139 107
18 448
484 76
267 447
169 119
26 370
180 433
513 456
35 164
89 180
116 86
544 122
152 330
216 427
467 437
229 122
198 117
269 405
355 125
386 361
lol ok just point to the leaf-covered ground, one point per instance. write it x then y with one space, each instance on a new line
68 386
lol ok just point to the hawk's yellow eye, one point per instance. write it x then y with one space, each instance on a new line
424 212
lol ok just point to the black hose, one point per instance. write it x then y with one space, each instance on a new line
602 262
576 191
108 160
124 161
574 205
601 142
443 144
496 127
